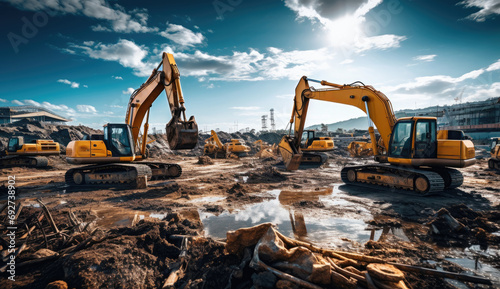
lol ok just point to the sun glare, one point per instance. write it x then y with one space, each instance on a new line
344 31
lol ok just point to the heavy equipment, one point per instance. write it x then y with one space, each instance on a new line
311 143
358 149
117 155
494 161
214 148
417 159
32 154
264 150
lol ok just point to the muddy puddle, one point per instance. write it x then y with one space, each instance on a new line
323 226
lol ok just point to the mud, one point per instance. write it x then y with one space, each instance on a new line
138 247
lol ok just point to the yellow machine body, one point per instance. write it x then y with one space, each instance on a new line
39 147
494 161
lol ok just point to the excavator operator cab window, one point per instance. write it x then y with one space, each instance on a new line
118 137
400 146
307 138
425 139
13 145
494 143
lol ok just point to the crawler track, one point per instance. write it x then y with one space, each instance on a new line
108 174
424 181
24 161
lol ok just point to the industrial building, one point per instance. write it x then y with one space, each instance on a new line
12 114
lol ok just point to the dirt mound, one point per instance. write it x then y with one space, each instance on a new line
204 160
267 174
458 225
32 130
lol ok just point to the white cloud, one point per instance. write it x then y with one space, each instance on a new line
425 58
182 35
125 52
118 18
71 83
117 77
116 106
381 42
32 102
494 66
487 8
343 23
3 100
253 65
15 101
347 61
129 91
86 108
445 86
245 107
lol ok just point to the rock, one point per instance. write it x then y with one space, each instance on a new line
42 253
57 285
264 280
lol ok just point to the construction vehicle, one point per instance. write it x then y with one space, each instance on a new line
494 161
417 159
311 143
32 154
237 147
117 155
359 149
214 148
264 150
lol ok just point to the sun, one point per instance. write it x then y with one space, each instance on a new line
344 31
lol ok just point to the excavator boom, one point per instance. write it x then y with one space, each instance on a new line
181 133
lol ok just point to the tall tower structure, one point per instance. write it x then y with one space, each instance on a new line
273 124
264 122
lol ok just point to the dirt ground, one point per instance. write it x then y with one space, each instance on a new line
142 226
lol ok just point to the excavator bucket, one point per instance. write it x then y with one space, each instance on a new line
291 157
182 134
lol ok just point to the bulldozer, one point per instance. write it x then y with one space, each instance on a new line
118 155
28 154
494 161
415 158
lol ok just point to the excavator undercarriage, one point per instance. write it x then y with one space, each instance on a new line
421 180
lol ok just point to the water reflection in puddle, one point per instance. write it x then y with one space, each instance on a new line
312 226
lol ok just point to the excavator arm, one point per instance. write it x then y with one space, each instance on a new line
374 103
181 133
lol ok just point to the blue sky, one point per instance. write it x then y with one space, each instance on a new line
240 58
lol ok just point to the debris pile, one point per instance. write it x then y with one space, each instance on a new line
458 225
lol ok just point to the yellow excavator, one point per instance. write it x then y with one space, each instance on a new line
19 153
494 161
417 159
311 143
213 147
264 150
117 155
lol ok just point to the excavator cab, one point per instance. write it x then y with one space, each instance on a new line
15 144
310 142
414 138
118 139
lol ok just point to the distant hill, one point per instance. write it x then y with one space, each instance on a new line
353 123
